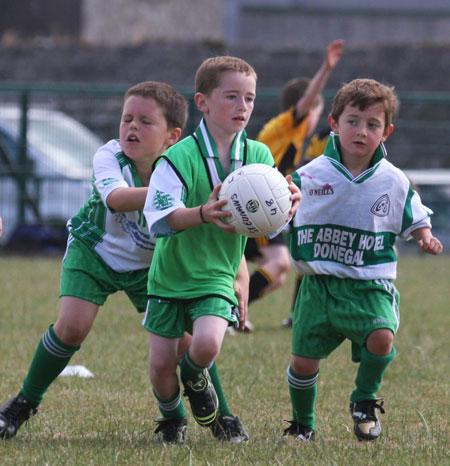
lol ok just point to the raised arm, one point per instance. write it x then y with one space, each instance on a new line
317 83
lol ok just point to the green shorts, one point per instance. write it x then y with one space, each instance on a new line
85 275
172 318
329 309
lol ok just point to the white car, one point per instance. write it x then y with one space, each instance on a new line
58 171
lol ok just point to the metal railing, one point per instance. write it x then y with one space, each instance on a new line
421 138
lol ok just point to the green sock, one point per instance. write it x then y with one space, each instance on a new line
188 368
303 392
50 359
370 374
173 407
224 409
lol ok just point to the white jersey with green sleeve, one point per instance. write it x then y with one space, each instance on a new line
346 226
121 239
200 261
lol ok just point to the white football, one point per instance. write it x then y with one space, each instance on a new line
258 196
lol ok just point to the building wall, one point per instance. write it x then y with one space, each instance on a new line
310 23
30 18
130 22
314 27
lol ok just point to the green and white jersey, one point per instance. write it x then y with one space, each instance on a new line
121 239
200 261
346 226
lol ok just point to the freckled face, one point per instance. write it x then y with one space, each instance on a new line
229 106
361 131
143 128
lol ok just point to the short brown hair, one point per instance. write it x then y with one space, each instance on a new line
363 93
172 103
293 91
210 72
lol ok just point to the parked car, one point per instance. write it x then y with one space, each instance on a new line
433 185
57 175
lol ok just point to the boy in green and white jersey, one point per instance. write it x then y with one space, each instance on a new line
109 246
354 205
198 279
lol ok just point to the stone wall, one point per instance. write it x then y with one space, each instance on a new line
116 22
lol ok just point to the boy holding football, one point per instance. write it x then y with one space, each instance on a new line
355 203
109 246
198 262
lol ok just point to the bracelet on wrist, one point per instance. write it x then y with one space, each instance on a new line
201 214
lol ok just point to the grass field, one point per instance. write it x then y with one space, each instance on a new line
108 419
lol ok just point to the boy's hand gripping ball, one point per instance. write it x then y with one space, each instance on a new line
258 197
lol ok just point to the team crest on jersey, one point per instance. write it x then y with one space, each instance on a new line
108 181
162 200
382 206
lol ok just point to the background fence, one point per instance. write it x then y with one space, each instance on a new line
49 133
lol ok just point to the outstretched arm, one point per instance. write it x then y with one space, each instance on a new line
427 242
315 87
127 199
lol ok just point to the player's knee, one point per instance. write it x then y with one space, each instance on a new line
71 333
304 366
283 265
161 366
283 261
204 349
380 342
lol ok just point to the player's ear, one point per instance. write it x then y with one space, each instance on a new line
387 132
200 102
333 125
174 136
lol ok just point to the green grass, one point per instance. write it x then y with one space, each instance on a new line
108 419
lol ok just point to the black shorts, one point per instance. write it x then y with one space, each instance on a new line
252 250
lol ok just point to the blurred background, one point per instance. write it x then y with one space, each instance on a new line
64 67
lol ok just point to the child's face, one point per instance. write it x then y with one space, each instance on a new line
144 134
360 132
229 106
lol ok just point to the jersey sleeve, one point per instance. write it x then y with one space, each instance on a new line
165 195
258 152
415 215
107 173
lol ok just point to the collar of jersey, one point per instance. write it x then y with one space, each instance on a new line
124 161
332 152
209 150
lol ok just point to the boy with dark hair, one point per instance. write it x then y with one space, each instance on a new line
301 105
198 279
355 203
109 247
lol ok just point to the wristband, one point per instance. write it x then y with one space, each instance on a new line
201 214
